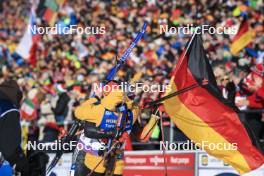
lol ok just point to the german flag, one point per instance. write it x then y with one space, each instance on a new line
205 116
243 37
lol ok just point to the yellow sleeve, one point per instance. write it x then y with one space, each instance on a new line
89 112
94 113
113 99
149 128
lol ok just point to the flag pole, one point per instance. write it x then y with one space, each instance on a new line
188 46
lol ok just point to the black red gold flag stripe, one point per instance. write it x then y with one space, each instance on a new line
243 37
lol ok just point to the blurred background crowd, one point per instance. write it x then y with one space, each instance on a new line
61 68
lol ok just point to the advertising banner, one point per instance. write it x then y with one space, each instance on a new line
146 163
151 163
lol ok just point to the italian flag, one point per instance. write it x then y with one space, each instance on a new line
28 110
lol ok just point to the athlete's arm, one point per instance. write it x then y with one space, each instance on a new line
93 112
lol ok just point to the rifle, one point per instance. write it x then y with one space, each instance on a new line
109 77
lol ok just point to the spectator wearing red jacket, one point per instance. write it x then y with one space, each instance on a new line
256 100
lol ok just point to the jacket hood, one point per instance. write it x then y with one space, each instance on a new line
9 90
